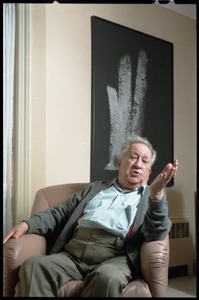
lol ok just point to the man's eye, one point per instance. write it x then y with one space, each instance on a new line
145 161
133 157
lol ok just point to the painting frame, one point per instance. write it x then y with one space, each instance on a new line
117 51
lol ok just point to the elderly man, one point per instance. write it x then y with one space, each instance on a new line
97 234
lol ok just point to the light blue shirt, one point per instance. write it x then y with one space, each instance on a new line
112 209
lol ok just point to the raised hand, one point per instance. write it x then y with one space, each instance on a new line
159 183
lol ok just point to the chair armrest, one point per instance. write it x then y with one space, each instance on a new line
15 252
154 257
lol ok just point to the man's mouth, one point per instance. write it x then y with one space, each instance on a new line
134 173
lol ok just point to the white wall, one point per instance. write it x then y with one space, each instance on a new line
61 92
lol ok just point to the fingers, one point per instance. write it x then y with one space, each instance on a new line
160 182
17 231
170 170
175 166
11 234
8 236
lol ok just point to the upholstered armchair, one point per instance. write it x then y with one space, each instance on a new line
154 255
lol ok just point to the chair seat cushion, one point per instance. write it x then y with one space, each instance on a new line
136 288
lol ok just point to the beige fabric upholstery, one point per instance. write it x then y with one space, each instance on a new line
154 255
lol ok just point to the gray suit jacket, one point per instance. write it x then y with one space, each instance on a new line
57 224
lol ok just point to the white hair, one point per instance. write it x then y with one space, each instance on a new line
134 139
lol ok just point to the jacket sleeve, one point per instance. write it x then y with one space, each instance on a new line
156 222
52 220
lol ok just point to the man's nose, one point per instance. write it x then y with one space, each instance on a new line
138 163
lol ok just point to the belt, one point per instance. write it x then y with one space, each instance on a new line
88 233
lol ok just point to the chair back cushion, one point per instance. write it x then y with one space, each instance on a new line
52 196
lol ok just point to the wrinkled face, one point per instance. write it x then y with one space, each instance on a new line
135 166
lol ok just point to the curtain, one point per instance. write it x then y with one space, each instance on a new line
22 115
8 94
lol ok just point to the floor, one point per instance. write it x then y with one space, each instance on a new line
183 287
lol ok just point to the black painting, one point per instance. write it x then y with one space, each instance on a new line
132 91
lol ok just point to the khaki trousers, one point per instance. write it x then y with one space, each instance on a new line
92 255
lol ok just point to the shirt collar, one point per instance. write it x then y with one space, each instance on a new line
140 189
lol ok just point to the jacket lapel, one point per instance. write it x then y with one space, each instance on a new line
68 228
